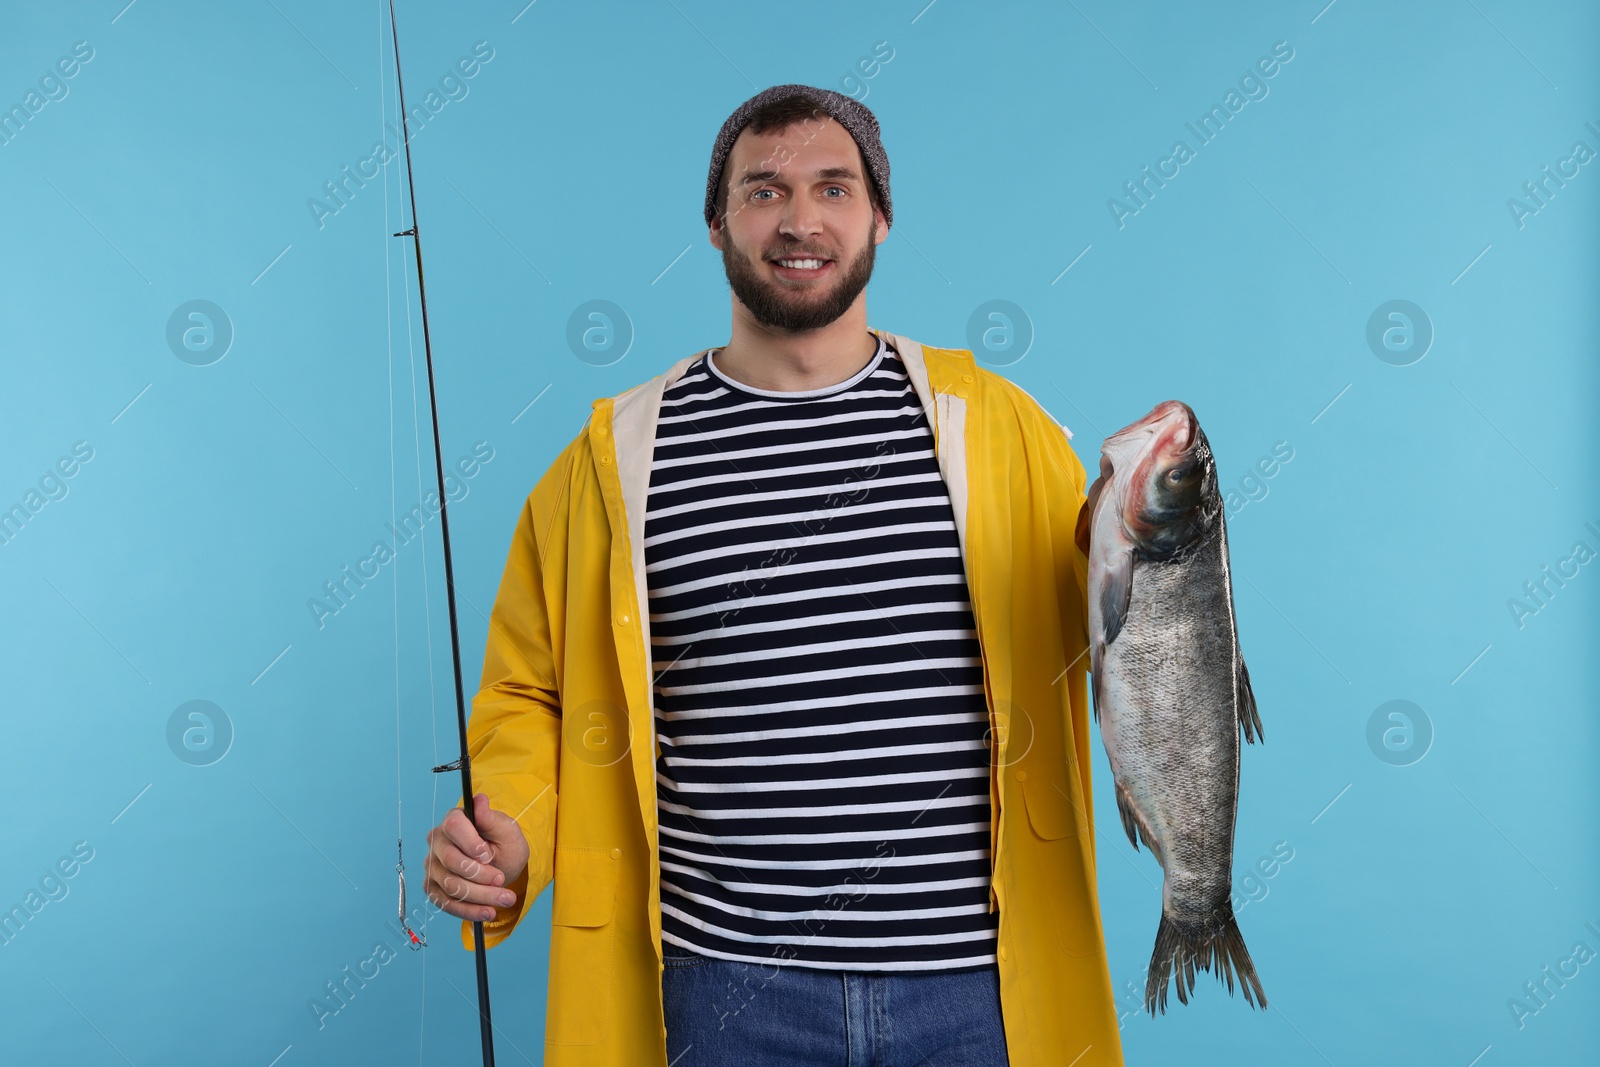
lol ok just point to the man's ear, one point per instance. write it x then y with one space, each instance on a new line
715 233
880 225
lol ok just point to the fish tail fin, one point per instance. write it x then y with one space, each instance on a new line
1249 717
1182 949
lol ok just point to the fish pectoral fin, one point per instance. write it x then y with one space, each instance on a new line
1249 717
1097 654
1115 595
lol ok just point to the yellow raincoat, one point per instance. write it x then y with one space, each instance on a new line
562 734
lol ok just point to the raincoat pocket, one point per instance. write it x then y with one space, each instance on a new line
583 904
1050 813
1049 810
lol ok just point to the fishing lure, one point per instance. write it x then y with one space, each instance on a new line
417 940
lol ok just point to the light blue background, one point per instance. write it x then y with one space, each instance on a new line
1377 566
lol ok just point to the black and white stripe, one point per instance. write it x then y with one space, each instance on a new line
823 786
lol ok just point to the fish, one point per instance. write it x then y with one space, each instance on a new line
1171 691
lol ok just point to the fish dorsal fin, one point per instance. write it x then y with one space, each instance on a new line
1249 717
1245 702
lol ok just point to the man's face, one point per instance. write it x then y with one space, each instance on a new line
800 233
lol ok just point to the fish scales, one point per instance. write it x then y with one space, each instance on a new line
1174 725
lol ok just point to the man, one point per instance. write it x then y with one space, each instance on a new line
784 687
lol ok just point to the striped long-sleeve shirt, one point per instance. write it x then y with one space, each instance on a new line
823 784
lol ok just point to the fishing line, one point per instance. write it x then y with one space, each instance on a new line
414 941
444 515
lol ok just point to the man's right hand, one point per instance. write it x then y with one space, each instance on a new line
1085 527
468 868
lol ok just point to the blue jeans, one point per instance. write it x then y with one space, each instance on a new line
721 1013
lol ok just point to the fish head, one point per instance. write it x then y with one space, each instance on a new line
1166 479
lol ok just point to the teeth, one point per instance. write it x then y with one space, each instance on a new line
801 264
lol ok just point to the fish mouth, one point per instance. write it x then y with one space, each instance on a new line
1178 428
1170 427
1161 414
1162 441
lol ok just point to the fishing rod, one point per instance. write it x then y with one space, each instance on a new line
461 763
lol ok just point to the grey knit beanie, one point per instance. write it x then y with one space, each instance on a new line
851 114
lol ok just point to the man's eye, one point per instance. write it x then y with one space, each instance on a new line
757 194
834 189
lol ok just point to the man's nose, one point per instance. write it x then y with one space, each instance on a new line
802 218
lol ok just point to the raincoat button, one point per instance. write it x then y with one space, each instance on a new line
966 377
616 853
1003 953
1022 776
622 620
605 461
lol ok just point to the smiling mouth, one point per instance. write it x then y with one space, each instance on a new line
801 267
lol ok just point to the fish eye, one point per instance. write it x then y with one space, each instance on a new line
1175 474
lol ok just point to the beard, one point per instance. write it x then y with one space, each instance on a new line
776 307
